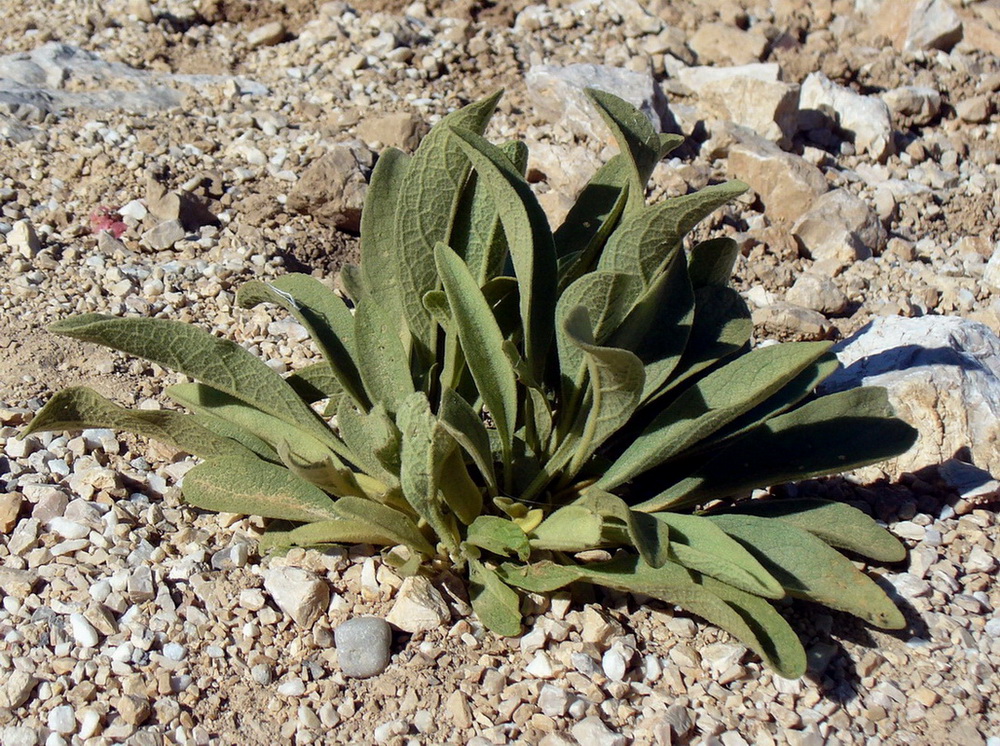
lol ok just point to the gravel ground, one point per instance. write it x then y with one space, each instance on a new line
221 140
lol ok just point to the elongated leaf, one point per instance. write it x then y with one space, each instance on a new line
539 577
206 400
829 435
323 313
616 381
572 528
538 411
573 265
496 604
373 439
698 544
81 408
463 424
528 238
324 470
638 139
807 568
647 238
315 382
478 235
498 535
607 297
426 199
779 645
378 236
836 523
482 343
711 403
217 362
712 262
426 444
722 327
458 489
649 536
249 486
353 282
659 325
394 526
596 210
383 361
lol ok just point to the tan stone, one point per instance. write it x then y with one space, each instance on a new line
788 185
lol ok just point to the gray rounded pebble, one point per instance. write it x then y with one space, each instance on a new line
363 646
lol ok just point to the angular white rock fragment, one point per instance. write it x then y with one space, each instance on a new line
867 117
83 631
591 731
298 593
419 606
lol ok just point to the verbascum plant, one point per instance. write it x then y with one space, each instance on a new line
501 398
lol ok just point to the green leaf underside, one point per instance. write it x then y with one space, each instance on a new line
711 403
670 583
482 343
836 523
428 195
315 382
572 528
425 446
82 408
373 440
383 361
380 520
219 363
808 568
700 545
829 435
647 238
497 605
458 489
378 237
528 238
650 537
466 427
249 486
712 262
597 209
324 315
499 535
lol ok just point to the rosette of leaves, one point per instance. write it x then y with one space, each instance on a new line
501 397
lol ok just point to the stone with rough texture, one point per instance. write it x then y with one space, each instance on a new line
914 25
23 239
419 606
267 35
744 95
839 227
332 189
10 506
17 583
721 43
558 95
788 319
866 120
401 130
819 293
943 377
972 484
974 110
920 103
16 690
788 185
135 710
591 731
298 593
164 235
363 645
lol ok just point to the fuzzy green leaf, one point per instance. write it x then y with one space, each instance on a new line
836 523
427 197
315 382
426 444
778 644
373 439
595 213
829 435
463 424
711 403
478 235
378 236
638 139
649 536
529 241
459 490
647 238
496 604
383 361
323 313
380 520
482 343
499 535
234 484
572 528
81 408
217 362
807 568
700 545
712 262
